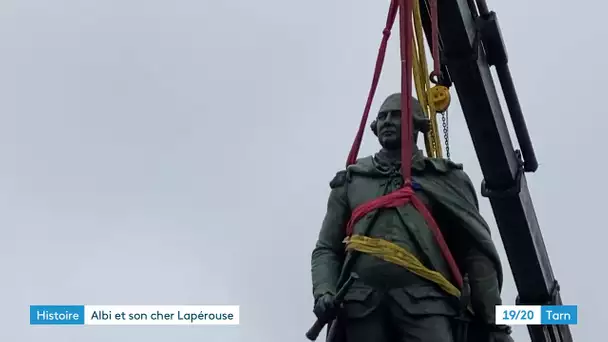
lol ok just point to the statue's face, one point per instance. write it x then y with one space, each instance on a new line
388 125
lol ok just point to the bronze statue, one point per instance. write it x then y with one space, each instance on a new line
419 301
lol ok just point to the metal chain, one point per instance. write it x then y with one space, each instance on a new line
444 119
430 135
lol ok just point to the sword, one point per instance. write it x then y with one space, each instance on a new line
316 328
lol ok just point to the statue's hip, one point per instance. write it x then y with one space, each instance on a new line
414 299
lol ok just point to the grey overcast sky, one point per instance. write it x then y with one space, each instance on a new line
179 152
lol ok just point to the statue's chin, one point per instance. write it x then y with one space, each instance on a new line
391 143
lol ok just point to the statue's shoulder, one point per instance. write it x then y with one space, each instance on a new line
450 172
339 179
361 166
442 165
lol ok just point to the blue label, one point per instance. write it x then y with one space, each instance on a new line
57 314
559 314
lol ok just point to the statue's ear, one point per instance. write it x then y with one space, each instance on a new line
374 127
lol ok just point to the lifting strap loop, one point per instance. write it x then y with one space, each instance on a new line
407 36
390 20
395 254
432 141
399 198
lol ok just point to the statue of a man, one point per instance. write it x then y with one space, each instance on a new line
390 302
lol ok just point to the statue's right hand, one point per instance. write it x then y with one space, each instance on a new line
325 307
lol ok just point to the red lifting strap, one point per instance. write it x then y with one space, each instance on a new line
390 20
404 195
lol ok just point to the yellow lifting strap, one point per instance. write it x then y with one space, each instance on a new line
395 254
432 99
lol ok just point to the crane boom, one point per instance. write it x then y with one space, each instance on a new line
471 42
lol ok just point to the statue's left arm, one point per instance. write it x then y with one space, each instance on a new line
485 292
482 270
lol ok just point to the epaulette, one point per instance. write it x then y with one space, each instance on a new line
453 165
339 180
443 165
